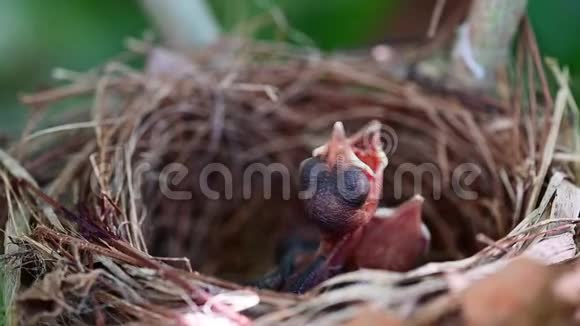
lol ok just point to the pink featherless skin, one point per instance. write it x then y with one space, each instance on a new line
394 240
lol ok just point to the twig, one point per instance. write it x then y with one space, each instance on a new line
548 153
435 17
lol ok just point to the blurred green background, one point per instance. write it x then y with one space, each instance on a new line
37 36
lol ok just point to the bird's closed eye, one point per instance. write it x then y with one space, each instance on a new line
353 186
311 171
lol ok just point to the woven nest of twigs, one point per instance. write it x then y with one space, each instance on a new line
92 236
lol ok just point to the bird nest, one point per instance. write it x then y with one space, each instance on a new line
136 207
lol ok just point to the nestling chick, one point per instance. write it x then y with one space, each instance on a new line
341 186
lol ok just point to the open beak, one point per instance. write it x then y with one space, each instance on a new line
338 149
363 149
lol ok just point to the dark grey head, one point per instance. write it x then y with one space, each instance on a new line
333 196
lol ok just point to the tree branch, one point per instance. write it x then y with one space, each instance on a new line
483 41
184 24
